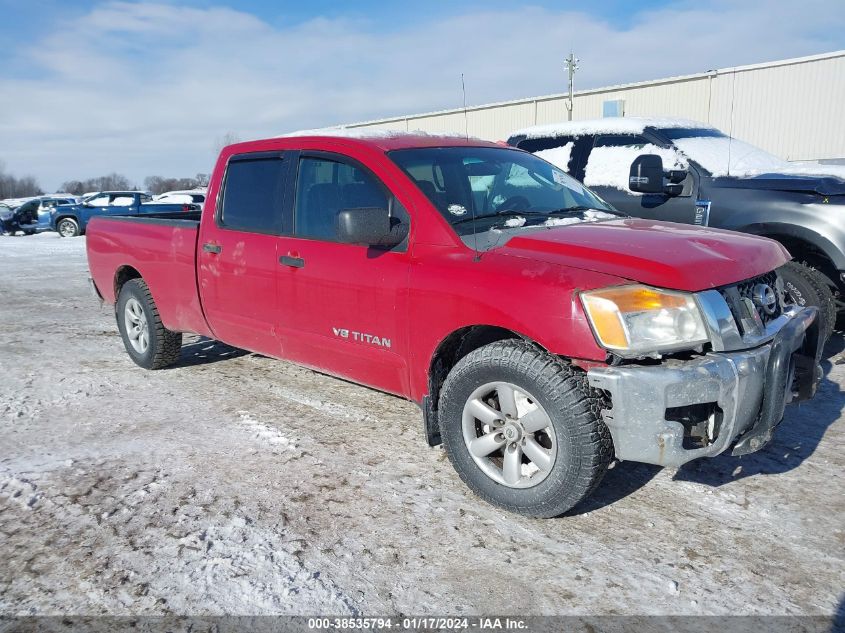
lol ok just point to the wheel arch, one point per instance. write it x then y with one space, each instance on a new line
67 216
121 276
800 241
446 355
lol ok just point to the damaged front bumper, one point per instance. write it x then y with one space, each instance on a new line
680 410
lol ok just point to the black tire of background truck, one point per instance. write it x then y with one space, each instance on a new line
805 286
584 444
70 226
164 346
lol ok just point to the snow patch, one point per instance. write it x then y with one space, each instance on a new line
266 433
723 156
562 221
611 166
609 125
373 133
558 156
515 222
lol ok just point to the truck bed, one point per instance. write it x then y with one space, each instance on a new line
161 248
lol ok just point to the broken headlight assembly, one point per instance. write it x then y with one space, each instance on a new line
640 320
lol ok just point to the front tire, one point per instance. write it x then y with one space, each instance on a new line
805 286
68 227
523 429
148 343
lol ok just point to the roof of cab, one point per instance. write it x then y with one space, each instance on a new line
387 140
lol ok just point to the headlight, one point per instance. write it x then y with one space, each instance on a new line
640 320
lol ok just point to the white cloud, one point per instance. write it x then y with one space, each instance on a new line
146 88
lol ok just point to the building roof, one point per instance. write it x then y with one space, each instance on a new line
613 88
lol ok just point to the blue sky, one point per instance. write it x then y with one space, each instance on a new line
149 88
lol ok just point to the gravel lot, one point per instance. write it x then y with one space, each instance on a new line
234 483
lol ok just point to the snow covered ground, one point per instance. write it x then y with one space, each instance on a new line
238 484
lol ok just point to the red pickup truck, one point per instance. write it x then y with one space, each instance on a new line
541 332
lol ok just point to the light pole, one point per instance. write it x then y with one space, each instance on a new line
571 66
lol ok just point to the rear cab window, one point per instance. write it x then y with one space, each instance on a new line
254 191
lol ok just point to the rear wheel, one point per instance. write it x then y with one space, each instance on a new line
523 430
805 286
68 227
147 341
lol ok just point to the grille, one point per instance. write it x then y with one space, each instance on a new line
736 293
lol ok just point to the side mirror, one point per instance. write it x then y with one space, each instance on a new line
370 226
676 176
646 175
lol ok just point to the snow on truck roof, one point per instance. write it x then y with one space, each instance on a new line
391 139
608 125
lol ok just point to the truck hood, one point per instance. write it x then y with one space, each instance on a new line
822 185
662 254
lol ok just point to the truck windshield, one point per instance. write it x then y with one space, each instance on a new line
722 155
498 188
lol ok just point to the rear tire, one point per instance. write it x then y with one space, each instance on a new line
550 396
68 227
147 341
805 286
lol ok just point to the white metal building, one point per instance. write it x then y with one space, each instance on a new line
794 108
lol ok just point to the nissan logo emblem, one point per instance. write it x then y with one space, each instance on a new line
765 298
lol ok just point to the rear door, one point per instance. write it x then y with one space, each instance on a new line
345 305
237 252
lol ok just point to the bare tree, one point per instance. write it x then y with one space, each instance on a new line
12 187
157 184
109 182
229 138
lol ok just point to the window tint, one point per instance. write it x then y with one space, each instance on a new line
325 187
253 195
537 144
620 140
99 201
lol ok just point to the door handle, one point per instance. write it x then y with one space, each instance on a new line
208 247
293 262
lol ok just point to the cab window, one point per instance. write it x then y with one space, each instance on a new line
324 187
253 194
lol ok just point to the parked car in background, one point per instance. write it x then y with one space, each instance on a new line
690 172
46 207
7 213
193 196
540 333
24 218
72 220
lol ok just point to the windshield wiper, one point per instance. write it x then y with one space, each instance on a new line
497 214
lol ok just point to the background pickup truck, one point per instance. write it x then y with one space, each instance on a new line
541 333
72 220
698 175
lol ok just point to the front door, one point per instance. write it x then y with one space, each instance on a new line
608 166
238 260
345 304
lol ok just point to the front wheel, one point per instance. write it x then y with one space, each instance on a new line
523 430
805 286
68 227
147 341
